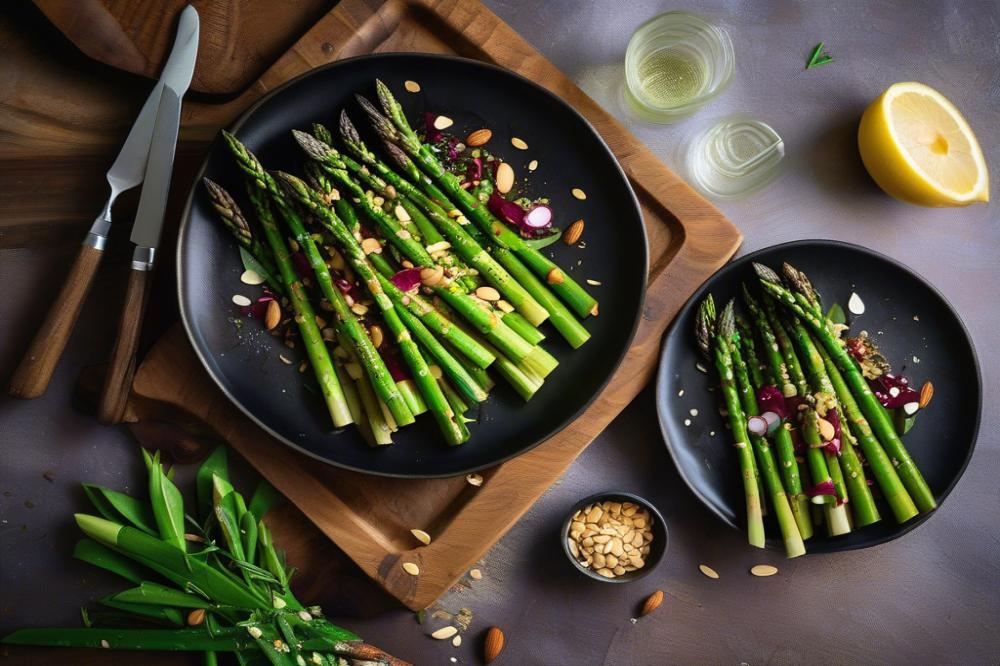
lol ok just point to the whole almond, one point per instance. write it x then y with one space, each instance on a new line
574 232
493 645
377 335
273 315
926 393
505 178
555 276
479 138
196 617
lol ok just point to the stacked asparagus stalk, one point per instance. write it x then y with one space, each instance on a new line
807 426
424 286
214 584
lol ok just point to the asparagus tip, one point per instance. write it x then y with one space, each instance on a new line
727 320
766 273
347 129
313 147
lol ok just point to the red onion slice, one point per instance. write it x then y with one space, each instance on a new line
771 399
538 217
821 491
757 425
407 279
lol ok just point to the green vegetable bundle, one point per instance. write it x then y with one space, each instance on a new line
425 286
213 584
800 406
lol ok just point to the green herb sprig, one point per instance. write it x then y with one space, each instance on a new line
817 57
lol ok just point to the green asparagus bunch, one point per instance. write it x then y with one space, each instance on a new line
211 584
789 350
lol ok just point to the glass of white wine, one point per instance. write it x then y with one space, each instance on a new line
676 63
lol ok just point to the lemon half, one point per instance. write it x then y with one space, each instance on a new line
919 148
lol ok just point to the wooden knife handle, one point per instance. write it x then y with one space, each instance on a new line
36 368
121 368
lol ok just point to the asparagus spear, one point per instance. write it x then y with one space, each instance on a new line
765 458
713 338
870 406
305 316
429 389
379 375
233 219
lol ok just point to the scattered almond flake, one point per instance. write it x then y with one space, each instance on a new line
694 412
579 194
680 393
105 644
443 122
855 305
457 640
305 616
241 300
763 570
687 422
474 479
286 361
700 368
444 632
251 277
411 568
411 86
916 318
421 536
532 165
278 602
518 143
254 632
594 283
401 213
582 245
440 246
453 660
711 433
476 574
916 360
633 620
708 571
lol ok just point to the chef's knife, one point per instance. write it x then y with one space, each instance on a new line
146 236
35 370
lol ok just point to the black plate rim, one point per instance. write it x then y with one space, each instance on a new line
245 116
741 262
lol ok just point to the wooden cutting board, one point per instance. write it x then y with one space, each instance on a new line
370 518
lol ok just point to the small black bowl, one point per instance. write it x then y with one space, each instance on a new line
657 547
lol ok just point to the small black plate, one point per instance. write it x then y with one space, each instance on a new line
917 330
244 362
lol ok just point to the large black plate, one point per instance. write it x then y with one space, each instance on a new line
244 363
943 438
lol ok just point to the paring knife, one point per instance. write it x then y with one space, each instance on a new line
36 368
146 232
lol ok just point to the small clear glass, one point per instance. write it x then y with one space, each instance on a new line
733 158
675 64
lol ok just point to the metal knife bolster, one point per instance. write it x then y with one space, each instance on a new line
143 258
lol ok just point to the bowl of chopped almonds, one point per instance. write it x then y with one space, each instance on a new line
614 537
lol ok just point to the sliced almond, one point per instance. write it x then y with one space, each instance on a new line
371 245
488 293
532 165
763 570
353 371
505 306
401 214
555 276
444 632
411 86
505 178
826 429
251 277
284 359
440 246
573 233
518 143
377 336
476 574
421 536
241 300
196 617
411 568
926 393
359 309
579 194
431 276
457 640
593 283
708 571
474 479
272 317
443 122
479 137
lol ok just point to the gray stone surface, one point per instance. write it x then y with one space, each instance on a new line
931 597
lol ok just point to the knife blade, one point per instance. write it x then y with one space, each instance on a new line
153 200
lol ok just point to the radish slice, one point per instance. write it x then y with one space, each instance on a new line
773 421
539 217
757 425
